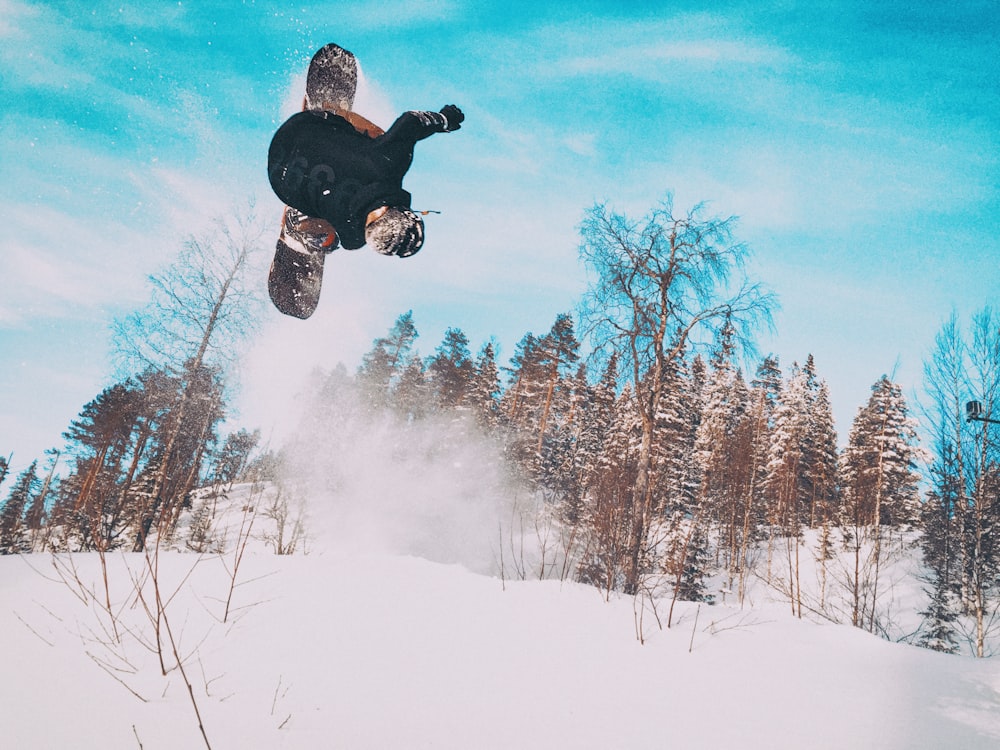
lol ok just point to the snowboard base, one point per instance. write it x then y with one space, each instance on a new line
295 280
296 275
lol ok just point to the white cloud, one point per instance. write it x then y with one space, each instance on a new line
397 13
14 15
582 144
31 53
640 59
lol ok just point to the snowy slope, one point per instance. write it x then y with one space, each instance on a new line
347 649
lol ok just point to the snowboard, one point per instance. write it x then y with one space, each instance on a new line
296 276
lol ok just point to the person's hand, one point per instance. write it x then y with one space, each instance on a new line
454 117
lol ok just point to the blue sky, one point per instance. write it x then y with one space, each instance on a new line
856 141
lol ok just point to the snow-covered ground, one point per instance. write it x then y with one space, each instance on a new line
353 647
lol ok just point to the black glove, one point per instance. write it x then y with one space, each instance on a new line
454 117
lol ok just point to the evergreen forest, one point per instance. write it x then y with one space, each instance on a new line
663 457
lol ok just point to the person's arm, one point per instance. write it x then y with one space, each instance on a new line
417 125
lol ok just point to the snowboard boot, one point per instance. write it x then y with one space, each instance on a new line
306 234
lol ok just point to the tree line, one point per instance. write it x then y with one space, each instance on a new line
657 460
137 451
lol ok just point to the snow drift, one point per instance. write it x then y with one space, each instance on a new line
377 650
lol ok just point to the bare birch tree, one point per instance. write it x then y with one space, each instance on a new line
656 286
203 305
982 519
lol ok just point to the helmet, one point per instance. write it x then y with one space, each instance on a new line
398 231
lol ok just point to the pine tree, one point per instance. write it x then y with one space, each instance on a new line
880 461
450 370
767 385
102 444
559 351
485 389
520 379
786 469
386 361
4 468
182 414
521 405
412 393
234 456
818 480
525 377
595 423
610 508
35 514
880 484
12 513
724 455
568 449
941 543
939 627
678 418
823 461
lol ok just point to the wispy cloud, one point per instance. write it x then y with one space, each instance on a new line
58 265
645 59
831 131
13 16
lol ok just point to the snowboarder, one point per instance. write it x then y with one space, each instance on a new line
320 165
342 180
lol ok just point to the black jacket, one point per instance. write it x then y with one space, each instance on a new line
319 164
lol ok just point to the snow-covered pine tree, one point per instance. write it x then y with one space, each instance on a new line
752 442
566 449
767 384
538 401
605 556
386 361
36 513
539 395
880 485
559 351
524 382
450 370
233 458
723 454
942 515
823 470
12 537
881 459
412 396
784 477
823 462
595 424
675 464
938 631
485 390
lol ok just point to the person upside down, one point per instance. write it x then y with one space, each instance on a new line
341 178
